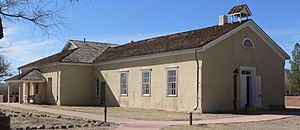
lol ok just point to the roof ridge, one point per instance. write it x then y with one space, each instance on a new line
71 51
167 35
171 42
92 42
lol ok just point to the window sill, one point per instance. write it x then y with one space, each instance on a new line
171 95
124 95
146 95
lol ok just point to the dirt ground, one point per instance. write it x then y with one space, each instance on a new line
142 114
291 123
23 118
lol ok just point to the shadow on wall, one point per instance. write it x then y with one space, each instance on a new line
110 99
50 99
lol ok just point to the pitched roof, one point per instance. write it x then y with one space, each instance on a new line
84 52
173 42
32 75
87 51
50 59
239 9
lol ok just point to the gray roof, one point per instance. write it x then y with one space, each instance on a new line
178 41
86 52
32 75
75 51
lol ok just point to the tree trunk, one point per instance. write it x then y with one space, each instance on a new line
1 29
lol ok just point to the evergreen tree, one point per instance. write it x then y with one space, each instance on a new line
294 77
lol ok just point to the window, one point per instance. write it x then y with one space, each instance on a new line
146 78
97 87
172 82
124 83
36 88
246 72
247 43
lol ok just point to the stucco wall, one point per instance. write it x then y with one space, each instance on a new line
47 95
77 85
184 101
219 62
52 95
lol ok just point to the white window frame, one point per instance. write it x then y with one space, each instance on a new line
124 94
142 83
249 40
176 82
97 87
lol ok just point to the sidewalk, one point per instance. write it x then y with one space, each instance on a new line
131 124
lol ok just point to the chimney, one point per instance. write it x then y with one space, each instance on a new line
223 20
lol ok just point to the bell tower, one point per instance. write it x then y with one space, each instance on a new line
240 12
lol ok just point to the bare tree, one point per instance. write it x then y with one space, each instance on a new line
4 67
41 13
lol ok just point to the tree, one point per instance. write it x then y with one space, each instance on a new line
41 13
4 68
294 76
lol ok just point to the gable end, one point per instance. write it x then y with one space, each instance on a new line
256 29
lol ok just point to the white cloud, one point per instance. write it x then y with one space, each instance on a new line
20 50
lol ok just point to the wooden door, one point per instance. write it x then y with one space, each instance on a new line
102 93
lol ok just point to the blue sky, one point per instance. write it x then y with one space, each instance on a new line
122 21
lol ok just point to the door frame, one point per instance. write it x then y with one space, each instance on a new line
253 76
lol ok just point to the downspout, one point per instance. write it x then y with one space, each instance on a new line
197 83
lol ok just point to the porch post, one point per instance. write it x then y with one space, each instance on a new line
20 92
8 92
28 92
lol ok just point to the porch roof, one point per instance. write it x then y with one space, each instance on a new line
30 76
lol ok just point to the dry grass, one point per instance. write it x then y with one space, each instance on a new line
144 114
36 119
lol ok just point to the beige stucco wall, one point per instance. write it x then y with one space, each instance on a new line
77 85
47 95
52 94
184 101
219 62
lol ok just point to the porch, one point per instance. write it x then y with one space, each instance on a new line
31 87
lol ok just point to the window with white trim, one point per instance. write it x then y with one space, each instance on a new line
172 82
146 79
124 83
97 87
247 43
